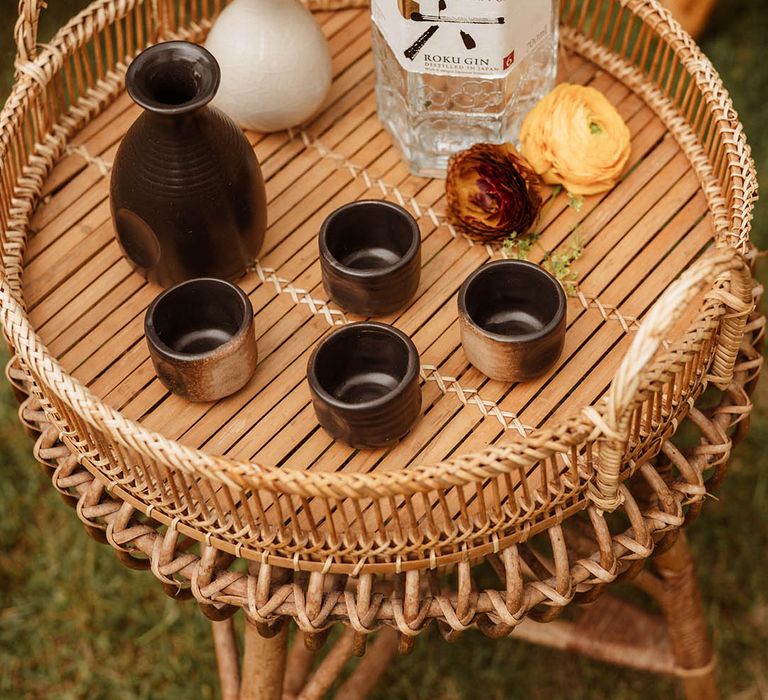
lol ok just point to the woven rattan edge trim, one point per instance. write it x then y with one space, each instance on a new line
467 549
491 541
265 556
741 165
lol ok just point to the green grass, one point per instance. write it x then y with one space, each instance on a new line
75 623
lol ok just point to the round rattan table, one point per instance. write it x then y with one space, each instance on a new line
506 504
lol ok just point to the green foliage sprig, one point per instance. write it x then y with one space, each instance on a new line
557 262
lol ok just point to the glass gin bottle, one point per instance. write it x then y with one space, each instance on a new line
452 73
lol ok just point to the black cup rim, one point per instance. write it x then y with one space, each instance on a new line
545 276
411 372
185 49
153 337
368 273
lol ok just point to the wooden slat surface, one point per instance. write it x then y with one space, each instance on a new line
88 306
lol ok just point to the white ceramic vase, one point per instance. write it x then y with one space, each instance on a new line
275 63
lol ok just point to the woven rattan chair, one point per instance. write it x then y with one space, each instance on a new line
557 488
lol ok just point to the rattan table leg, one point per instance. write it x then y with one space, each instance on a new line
225 644
688 633
330 667
263 664
367 673
298 666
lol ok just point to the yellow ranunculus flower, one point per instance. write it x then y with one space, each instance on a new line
575 138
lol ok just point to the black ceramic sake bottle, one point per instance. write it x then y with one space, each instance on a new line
187 192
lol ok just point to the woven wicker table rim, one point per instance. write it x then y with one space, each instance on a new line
581 461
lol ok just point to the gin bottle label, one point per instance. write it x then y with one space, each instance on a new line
487 38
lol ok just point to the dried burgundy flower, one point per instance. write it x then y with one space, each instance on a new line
492 192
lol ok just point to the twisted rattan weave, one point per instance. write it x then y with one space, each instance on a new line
563 484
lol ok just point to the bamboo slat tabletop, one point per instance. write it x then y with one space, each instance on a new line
88 306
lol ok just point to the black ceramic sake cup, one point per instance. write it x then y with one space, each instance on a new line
201 339
370 255
512 316
364 382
